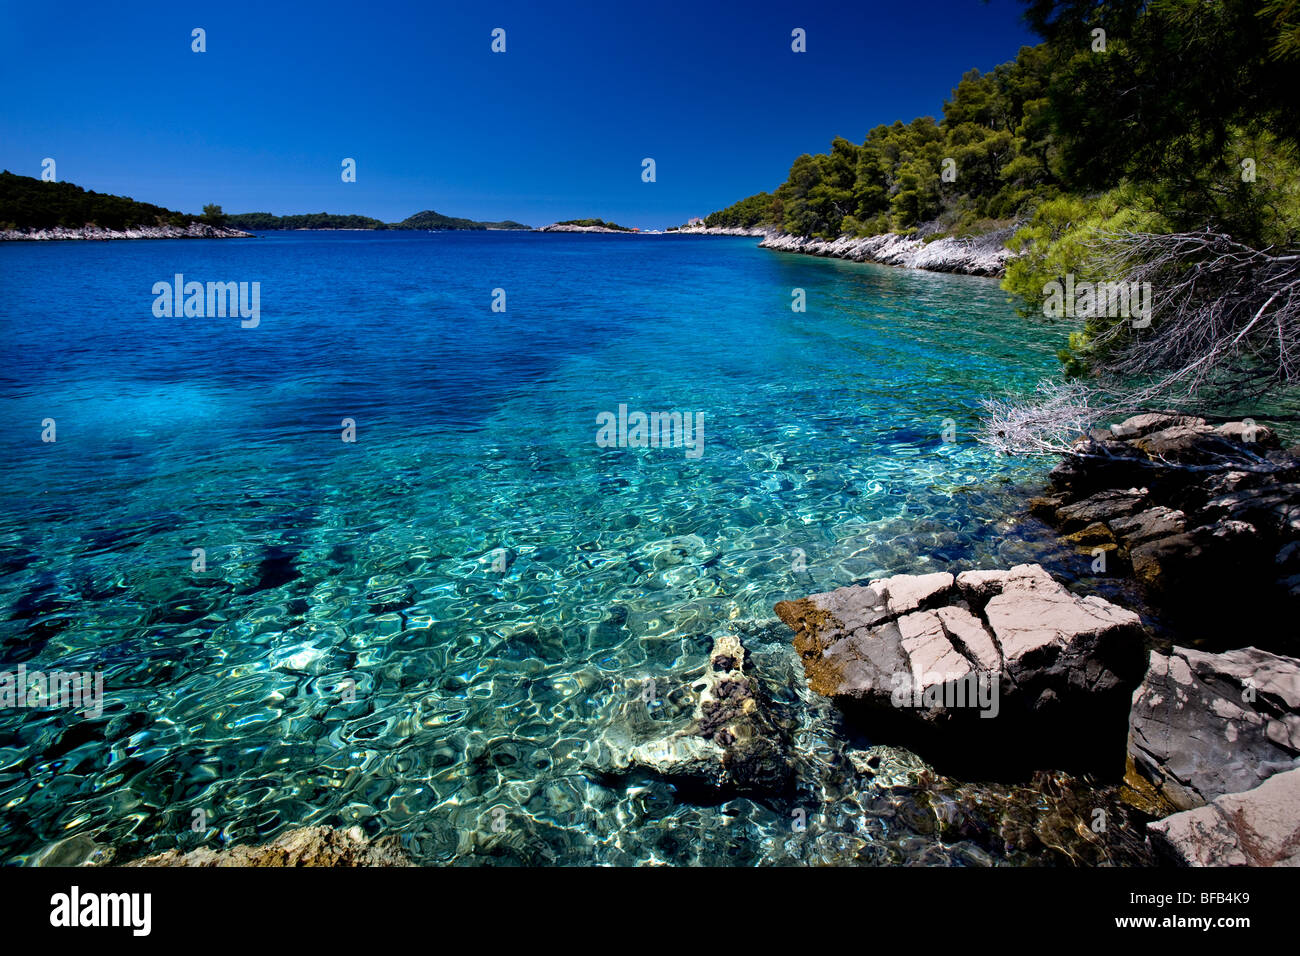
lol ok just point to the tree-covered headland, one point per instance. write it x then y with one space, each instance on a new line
28 203
1142 141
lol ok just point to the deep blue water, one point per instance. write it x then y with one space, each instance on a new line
379 561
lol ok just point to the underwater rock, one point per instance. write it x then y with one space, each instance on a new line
306 846
80 849
1205 725
1073 820
1260 827
730 740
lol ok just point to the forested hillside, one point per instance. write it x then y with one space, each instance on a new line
28 203
1143 141
266 222
428 219
1172 99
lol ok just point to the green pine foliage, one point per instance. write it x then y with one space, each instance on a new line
994 129
28 203
264 221
1131 116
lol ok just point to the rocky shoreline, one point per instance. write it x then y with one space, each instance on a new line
722 231
998 712
1213 740
986 675
1175 501
984 255
195 230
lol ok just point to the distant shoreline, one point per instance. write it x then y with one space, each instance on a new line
984 255
194 230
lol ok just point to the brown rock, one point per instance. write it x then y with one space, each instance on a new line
307 846
1259 827
1091 536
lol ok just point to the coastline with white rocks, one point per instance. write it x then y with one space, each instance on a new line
747 231
983 255
195 230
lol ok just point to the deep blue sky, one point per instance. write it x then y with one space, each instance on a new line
555 128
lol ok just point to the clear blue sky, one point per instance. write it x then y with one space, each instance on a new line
555 128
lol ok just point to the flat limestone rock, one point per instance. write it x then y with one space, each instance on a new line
1259 827
907 592
1205 725
969 636
1032 614
978 587
306 846
1018 627
933 658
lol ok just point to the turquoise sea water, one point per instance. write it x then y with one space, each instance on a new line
490 578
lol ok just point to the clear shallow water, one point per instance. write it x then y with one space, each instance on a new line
374 561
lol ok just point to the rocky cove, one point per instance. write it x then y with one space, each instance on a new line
1110 742
1143 751
686 724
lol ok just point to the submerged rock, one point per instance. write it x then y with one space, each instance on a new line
1260 827
1051 815
730 740
307 846
1205 725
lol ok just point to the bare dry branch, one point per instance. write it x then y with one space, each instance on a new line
1224 316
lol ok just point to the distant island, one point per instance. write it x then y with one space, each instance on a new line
586 225
427 220
32 208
